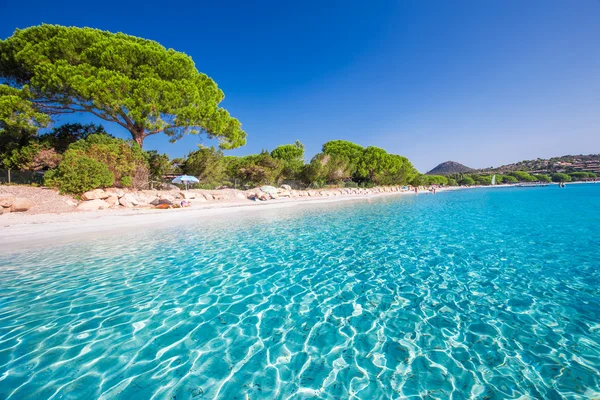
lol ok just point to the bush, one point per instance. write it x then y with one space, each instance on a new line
466 181
543 178
436 180
452 182
78 173
482 179
509 179
523 176
88 161
559 177
580 176
419 180
350 184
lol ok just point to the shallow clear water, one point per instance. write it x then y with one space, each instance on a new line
471 294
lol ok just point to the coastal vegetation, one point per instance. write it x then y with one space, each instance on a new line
140 85
133 82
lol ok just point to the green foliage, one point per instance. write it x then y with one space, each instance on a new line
377 166
419 180
159 165
327 168
543 178
207 165
466 181
134 82
78 173
560 177
508 179
19 122
436 180
482 179
452 182
257 169
523 176
581 176
292 156
33 157
124 160
61 138
343 148
350 184
17 112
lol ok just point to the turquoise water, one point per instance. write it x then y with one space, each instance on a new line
488 294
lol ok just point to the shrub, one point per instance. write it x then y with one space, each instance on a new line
350 184
559 177
125 162
466 181
543 178
436 180
419 180
452 182
509 179
580 176
523 176
78 173
482 179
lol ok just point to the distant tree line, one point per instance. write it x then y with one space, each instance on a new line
516 177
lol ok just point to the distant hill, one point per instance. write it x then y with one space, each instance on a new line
450 167
586 163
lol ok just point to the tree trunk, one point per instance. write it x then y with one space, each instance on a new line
138 135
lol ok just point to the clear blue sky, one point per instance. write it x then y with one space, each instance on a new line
479 82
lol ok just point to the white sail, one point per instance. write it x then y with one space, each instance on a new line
494 180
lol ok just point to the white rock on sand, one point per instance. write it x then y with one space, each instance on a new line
128 201
6 200
21 204
94 194
92 205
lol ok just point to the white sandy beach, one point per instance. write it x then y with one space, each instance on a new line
19 231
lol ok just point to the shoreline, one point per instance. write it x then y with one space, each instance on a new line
34 230
23 231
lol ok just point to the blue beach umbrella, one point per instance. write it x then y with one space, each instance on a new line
186 180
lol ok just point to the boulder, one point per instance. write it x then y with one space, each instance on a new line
188 195
128 201
155 202
92 205
240 196
166 196
284 193
165 201
6 200
115 192
112 201
94 195
71 203
21 204
286 187
168 186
